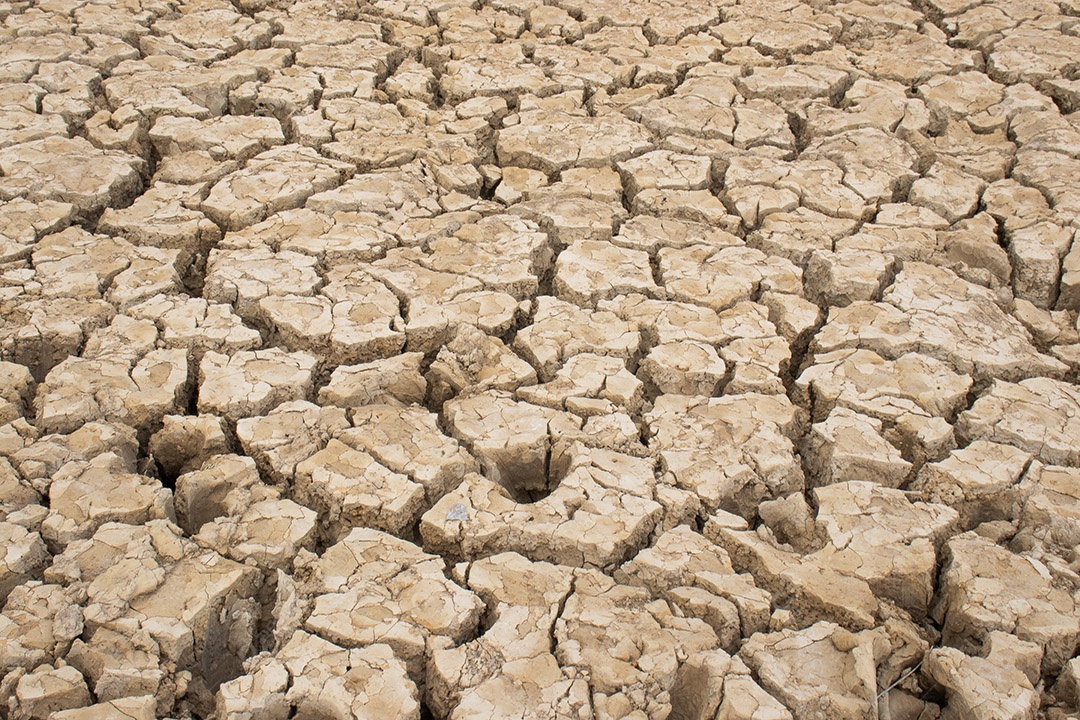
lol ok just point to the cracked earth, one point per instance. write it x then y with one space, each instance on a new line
568 359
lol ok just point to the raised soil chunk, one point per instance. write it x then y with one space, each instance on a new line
278 179
223 487
287 435
512 440
719 279
80 390
269 534
554 142
25 557
243 278
473 362
350 488
841 278
601 513
614 631
163 217
41 333
864 381
808 587
38 460
665 170
568 218
643 232
141 707
505 74
85 495
395 380
38 625
506 253
697 575
684 368
369 572
228 137
117 666
195 604
252 383
1050 512
976 686
70 170
354 683
1038 415
409 441
561 330
981 482
868 528
48 689
732 452
196 325
986 588
357 324
849 446
511 666
588 385
925 307
346 236
821 672
185 442
16 390
589 271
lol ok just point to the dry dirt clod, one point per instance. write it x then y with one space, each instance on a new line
975 602
369 572
822 671
751 432
252 382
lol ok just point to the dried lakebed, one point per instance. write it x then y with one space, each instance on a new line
578 359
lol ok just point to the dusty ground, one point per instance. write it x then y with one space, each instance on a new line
501 359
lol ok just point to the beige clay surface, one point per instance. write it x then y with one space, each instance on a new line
539 359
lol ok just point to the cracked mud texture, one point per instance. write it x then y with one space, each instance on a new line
547 359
